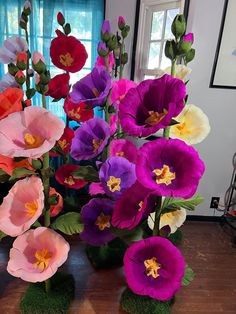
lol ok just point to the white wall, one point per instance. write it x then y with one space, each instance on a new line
219 104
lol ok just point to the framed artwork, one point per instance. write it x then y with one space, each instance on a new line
224 67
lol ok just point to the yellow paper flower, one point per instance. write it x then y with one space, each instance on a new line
173 219
182 71
193 125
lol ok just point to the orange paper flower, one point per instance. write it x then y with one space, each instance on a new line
10 101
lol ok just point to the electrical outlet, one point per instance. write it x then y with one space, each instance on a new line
215 202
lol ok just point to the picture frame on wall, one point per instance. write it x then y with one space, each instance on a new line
224 66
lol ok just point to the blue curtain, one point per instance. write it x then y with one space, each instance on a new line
85 17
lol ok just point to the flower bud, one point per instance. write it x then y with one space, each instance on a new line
21 60
44 79
121 22
67 29
12 69
37 78
28 102
102 49
36 164
20 77
39 63
190 55
170 49
112 43
27 7
124 58
22 23
178 26
184 47
60 19
106 31
188 37
30 72
125 31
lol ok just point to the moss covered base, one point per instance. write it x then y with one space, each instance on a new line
57 301
107 256
137 304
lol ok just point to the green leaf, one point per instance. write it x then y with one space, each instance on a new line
19 172
128 236
172 203
86 173
2 235
188 276
69 223
4 177
174 122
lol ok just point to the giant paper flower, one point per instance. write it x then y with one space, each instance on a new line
68 53
96 216
134 204
10 48
124 148
120 89
64 143
173 219
93 88
8 164
154 267
181 71
10 101
90 139
64 175
37 254
151 105
58 86
29 133
193 125
22 206
7 81
117 174
78 112
169 167
100 61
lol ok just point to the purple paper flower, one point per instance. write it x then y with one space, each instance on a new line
90 139
154 267
151 105
93 88
11 47
102 49
169 168
96 216
188 37
117 174
106 28
7 81
124 148
134 204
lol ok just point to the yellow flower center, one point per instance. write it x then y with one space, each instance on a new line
31 208
120 98
66 59
164 175
114 184
155 117
96 144
62 144
43 257
75 113
182 129
103 221
120 154
32 141
96 92
69 180
152 267
140 204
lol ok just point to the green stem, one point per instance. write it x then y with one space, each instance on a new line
122 48
107 63
27 67
156 229
46 185
47 285
173 68
166 133
44 101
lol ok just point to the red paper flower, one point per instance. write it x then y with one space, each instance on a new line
77 111
56 209
65 141
68 53
59 86
64 175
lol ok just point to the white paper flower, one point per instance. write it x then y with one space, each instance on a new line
11 47
193 125
181 70
173 219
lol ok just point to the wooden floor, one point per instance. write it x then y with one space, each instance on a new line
206 247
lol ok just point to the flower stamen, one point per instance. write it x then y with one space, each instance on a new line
43 257
96 92
69 180
75 113
66 59
152 267
31 208
114 184
32 141
164 175
63 144
97 144
155 117
103 221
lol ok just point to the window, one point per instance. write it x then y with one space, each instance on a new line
155 19
85 17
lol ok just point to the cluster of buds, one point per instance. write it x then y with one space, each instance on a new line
65 26
181 46
17 69
24 15
42 76
109 39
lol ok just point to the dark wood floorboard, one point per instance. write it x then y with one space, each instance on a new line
206 247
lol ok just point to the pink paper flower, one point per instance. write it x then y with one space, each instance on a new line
56 209
100 62
124 148
37 254
120 89
29 133
22 206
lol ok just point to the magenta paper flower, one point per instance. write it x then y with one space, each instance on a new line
134 204
169 168
93 88
154 267
37 254
96 188
124 148
151 105
96 216
117 174
120 89
10 48
113 124
29 133
22 206
64 175
90 139
188 37
100 62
